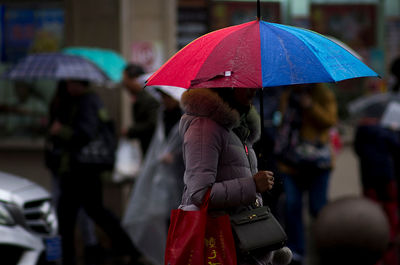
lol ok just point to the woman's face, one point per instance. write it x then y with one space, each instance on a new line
75 88
244 96
132 84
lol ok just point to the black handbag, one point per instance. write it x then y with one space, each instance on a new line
257 228
290 148
101 151
312 155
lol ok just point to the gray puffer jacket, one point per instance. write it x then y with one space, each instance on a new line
214 155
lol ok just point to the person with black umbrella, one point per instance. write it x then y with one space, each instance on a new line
80 179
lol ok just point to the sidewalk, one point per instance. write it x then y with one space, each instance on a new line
345 179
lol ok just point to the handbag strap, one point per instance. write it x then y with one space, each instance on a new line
206 201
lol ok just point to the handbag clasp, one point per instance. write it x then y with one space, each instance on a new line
252 216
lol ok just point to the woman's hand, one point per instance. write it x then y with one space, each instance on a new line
167 158
264 180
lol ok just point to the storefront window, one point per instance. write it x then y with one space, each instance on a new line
24 108
196 18
193 20
228 13
26 29
30 29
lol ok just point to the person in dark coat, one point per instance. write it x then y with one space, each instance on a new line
80 183
144 107
377 148
395 70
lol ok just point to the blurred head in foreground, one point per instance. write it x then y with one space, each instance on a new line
351 230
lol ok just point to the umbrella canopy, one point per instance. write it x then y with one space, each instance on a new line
175 92
111 62
382 107
372 106
172 91
55 66
259 54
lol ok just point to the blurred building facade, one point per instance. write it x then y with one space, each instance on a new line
149 32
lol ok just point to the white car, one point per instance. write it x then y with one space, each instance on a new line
28 223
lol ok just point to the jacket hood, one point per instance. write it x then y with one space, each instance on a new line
203 102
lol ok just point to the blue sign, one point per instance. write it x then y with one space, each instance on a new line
25 29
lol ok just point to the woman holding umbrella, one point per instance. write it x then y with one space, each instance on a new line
219 124
219 128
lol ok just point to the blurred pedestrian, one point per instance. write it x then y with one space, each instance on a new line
395 70
395 88
53 151
79 182
304 155
376 148
378 152
219 128
144 107
158 187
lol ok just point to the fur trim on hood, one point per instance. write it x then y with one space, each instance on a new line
204 102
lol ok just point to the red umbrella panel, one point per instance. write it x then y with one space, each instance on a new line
202 60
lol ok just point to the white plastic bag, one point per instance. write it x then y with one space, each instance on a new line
391 116
128 160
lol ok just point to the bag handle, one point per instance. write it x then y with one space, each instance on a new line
206 201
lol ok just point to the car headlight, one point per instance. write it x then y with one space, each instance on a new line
5 216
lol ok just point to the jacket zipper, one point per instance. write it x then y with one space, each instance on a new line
246 150
256 203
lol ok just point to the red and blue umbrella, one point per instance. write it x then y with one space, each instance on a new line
259 54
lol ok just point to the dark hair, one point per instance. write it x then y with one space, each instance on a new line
133 70
395 67
226 93
84 83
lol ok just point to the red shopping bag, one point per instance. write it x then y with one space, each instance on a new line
219 246
195 238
